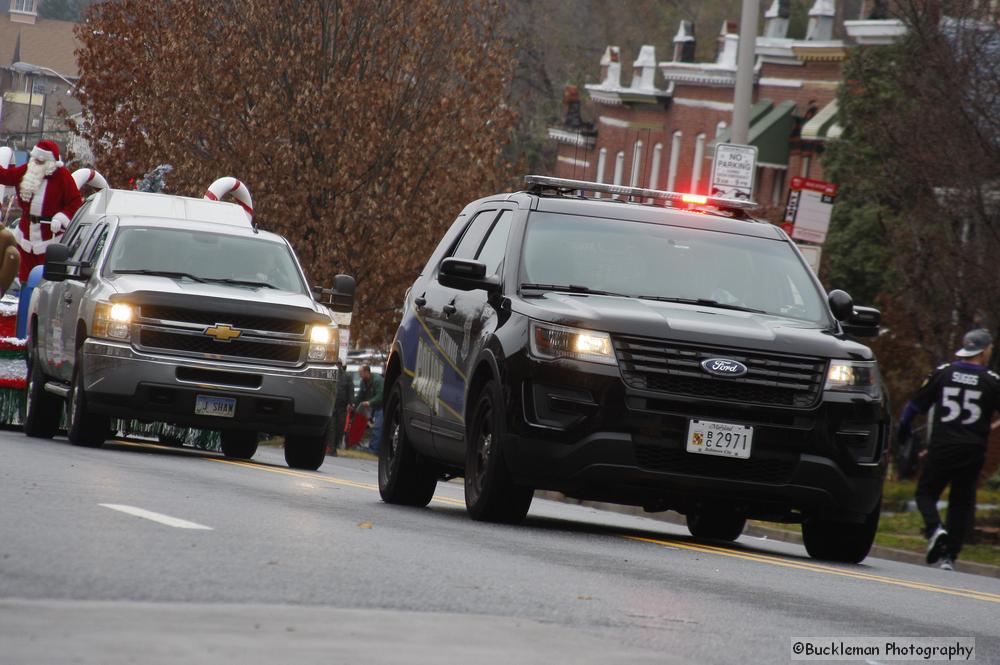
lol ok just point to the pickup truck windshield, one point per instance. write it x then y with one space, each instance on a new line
576 254
204 256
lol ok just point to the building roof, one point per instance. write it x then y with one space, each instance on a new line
46 43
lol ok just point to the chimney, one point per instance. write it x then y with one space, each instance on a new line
776 20
644 69
611 68
821 18
571 98
728 28
684 43
878 10
728 45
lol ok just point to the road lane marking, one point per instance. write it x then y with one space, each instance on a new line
819 568
773 560
175 522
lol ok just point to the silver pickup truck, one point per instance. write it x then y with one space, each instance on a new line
172 309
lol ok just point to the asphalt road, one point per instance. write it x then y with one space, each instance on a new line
137 553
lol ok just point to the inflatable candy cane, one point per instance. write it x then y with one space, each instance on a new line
230 185
84 177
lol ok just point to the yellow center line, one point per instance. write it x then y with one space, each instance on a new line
704 549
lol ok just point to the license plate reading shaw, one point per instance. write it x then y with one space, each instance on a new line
721 439
222 407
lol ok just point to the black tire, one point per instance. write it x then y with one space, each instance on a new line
238 444
841 541
42 410
305 452
84 428
490 493
715 524
403 477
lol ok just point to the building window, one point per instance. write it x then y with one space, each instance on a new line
778 191
602 158
675 157
654 173
26 6
720 127
699 161
636 164
619 167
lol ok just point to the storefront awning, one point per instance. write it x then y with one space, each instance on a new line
823 126
770 130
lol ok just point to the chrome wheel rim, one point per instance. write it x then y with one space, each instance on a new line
483 447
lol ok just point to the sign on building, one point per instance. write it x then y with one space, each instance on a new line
733 171
810 203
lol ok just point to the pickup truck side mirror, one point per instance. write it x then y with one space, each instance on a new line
467 275
56 263
341 297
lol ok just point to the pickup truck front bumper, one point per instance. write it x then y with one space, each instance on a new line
126 383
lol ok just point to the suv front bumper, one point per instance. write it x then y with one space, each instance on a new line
124 383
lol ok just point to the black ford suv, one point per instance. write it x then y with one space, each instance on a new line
638 347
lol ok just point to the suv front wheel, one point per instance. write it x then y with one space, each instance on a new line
715 524
846 542
490 493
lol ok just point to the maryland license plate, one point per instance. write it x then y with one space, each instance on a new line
720 439
221 407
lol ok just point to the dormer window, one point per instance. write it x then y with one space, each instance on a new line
23 6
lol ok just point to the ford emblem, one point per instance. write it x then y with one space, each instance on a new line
724 367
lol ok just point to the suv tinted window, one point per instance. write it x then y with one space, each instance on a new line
495 246
469 246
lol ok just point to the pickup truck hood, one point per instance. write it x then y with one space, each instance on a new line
124 284
695 324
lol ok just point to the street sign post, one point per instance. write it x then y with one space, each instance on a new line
733 171
810 203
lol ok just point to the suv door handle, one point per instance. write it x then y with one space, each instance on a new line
449 309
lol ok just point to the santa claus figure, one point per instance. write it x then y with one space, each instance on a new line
48 197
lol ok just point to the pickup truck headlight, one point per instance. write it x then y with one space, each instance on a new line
854 376
550 342
324 343
112 321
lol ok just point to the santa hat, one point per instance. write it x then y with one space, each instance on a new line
46 151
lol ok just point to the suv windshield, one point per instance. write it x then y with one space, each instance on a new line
655 261
204 256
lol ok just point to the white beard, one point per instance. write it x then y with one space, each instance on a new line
32 179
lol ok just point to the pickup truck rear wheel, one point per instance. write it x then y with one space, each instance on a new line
403 477
238 444
85 428
840 541
42 410
305 452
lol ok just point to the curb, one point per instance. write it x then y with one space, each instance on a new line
771 533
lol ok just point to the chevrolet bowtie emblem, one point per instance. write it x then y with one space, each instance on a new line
223 332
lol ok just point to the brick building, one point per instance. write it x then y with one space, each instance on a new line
659 130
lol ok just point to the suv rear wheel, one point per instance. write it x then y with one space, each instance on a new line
238 444
715 524
403 477
490 493
305 452
42 410
841 541
84 428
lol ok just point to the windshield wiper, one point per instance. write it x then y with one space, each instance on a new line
240 282
158 273
707 302
572 288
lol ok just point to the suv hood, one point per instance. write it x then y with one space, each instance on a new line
695 324
125 284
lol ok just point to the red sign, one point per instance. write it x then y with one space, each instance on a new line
810 203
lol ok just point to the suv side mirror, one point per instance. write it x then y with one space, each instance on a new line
864 322
56 263
467 275
841 305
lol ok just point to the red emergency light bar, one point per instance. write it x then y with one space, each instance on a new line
539 182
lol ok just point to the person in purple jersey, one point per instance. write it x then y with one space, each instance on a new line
963 395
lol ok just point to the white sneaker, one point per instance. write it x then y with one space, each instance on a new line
947 563
937 544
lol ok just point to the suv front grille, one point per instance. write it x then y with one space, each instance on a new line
242 321
240 348
758 470
771 380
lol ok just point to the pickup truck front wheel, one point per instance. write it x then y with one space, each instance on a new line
305 452
41 409
237 444
85 428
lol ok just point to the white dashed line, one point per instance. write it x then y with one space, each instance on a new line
155 517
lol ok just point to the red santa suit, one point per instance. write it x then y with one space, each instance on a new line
47 214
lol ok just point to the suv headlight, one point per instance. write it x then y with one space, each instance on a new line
112 321
550 342
324 343
854 376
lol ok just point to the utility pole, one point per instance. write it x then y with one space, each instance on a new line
743 95
27 114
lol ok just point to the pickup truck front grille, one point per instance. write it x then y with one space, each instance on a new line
668 367
207 318
256 349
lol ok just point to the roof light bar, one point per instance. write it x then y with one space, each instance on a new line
542 182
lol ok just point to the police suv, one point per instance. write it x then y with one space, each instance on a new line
641 347
179 310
